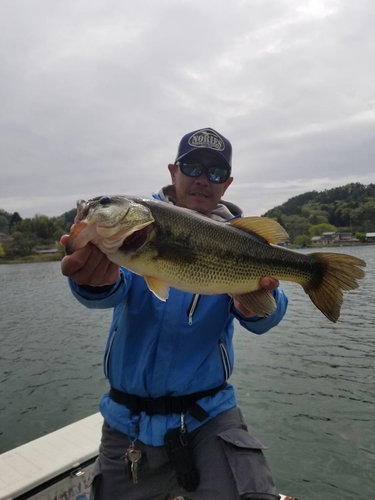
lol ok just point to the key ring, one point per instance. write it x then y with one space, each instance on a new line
134 419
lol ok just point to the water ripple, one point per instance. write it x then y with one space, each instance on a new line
306 388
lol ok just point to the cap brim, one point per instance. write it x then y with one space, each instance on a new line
196 153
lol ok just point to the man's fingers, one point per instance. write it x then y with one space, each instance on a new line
86 273
246 312
73 263
269 283
90 266
64 239
106 273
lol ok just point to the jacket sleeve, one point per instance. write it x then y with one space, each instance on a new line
259 325
103 297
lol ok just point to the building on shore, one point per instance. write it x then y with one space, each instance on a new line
49 250
332 238
370 237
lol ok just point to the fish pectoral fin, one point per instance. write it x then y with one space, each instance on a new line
268 229
260 302
157 287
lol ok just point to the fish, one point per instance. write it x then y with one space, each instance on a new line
175 247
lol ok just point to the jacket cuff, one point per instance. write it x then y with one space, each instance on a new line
88 293
98 289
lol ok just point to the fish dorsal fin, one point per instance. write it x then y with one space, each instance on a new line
157 287
268 229
260 302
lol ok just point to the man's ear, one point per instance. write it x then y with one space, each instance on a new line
173 169
227 184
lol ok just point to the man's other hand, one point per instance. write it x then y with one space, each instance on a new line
267 284
89 266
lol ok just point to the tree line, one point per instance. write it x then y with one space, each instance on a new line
350 208
21 237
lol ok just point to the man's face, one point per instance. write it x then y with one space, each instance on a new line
198 193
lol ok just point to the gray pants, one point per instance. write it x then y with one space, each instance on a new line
230 462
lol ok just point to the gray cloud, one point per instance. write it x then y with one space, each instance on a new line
96 95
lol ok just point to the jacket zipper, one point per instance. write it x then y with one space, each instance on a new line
109 352
226 361
193 307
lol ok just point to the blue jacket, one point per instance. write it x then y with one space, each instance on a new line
171 348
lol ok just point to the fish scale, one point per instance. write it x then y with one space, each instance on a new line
244 264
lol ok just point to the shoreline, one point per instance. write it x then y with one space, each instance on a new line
31 259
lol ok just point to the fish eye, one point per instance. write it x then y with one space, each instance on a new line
105 200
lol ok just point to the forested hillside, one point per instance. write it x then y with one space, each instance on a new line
348 208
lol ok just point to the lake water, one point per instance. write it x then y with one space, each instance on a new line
307 387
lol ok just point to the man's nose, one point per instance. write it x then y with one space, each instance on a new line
202 179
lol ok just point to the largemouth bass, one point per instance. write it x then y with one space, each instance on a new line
175 247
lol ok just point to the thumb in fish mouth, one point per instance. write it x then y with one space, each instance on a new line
63 240
78 238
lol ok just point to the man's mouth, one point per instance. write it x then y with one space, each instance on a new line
199 195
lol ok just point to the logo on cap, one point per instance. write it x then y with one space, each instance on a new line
207 139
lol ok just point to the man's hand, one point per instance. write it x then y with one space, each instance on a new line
89 266
267 284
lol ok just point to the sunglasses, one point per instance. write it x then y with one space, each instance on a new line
216 175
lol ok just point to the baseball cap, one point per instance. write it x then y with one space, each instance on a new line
206 139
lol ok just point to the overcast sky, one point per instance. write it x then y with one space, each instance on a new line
96 95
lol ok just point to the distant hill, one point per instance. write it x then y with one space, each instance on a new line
347 208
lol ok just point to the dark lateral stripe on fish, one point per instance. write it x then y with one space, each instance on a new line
174 252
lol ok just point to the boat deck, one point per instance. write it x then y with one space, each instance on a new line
58 465
41 460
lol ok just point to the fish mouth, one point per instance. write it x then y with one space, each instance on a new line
75 231
135 241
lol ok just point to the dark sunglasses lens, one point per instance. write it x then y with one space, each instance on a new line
191 169
214 174
217 175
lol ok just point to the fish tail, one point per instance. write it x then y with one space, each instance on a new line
338 273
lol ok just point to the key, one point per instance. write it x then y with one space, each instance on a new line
128 462
134 469
133 456
128 466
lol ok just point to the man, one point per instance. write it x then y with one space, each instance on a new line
171 420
